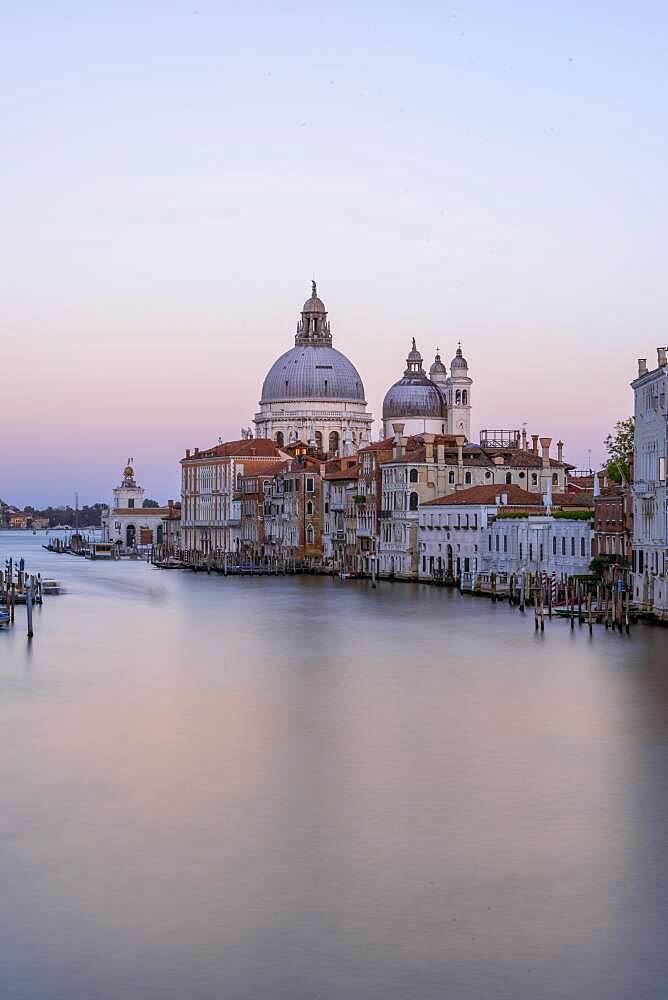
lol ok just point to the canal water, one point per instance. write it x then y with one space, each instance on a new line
289 789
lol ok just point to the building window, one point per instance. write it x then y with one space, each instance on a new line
309 507
280 440
131 504
465 397
413 476
563 546
555 479
509 478
572 545
467 477
451 477
309 534
310 487
505 543
582 547
534 479
554 545
413 502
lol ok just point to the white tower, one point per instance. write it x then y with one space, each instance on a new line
459 396
128 494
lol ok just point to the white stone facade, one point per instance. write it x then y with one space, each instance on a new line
650 498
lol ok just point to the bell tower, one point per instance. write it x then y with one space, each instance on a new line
458 391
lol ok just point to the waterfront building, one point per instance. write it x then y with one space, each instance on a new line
127 522
339 514
210 511
368 498
313 393
293 512
613 521
171 527
504 530
434 403
650 498
427 466
254 495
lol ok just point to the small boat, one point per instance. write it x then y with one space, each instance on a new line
100 550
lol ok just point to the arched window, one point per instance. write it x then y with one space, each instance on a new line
279 439
554 545
318 440
413 502
555 479
563 546
467 477
582 547
509 478
413 476
465 397
333 442
458 397
309 507
451 477
309 534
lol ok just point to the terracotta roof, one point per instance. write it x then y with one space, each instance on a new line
585 498
343 474
488 494
261 469
246 448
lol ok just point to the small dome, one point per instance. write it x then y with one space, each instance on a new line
413 397
314 304
459 361
438 372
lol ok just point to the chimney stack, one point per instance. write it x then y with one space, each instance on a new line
398 447
429 446
545 445
524 439
560 451
642 366
534 438
661 356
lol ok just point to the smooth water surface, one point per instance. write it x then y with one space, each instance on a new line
281 789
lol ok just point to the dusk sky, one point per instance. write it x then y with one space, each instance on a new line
173 176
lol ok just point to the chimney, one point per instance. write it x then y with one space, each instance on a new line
170 503
398 446
560 451
534 438
187 452
661 356
545 445
196 452
429 446
459 440
524 439
642 366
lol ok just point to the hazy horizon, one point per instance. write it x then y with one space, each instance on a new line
175 177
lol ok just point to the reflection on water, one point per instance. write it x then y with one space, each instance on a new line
301 788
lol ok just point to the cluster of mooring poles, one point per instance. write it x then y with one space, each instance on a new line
17 586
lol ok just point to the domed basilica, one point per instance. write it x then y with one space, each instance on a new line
315 395
434 403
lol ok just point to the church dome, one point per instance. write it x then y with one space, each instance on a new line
438 372
312 372
459 361
414 395
313 369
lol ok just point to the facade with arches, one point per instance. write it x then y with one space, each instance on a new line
313 393
129 525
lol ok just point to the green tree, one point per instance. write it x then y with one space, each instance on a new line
619 445
150 503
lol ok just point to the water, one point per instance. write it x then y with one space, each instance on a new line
297 788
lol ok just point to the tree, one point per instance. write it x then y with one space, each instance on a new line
619 446
150 503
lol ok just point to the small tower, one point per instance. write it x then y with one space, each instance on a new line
459 396
128 494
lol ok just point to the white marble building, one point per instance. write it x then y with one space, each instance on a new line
650 498
313 393
127 522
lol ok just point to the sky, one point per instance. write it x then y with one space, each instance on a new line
174 174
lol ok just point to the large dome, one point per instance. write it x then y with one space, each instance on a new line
309 373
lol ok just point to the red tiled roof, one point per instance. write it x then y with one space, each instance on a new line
246 448
488 494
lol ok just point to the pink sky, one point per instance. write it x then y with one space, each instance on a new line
173 182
